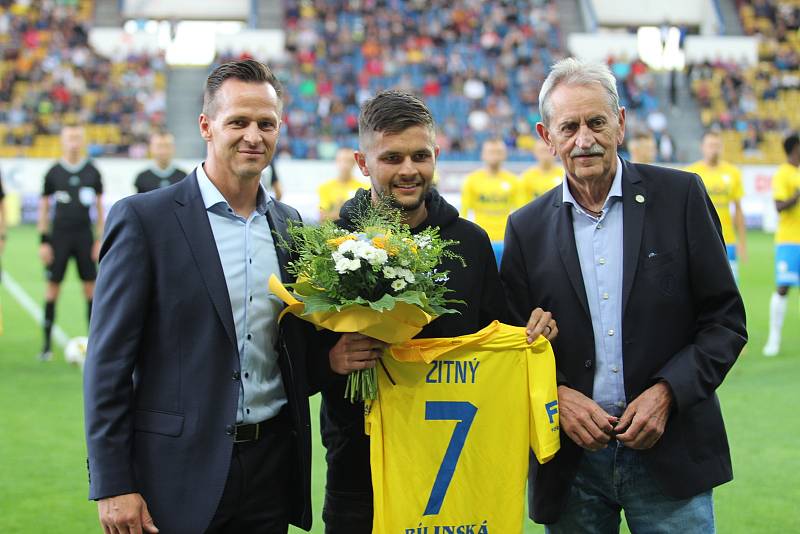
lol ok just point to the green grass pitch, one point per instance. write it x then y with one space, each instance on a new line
43 484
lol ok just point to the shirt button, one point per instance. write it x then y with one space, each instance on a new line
249 337
247 410
611 332
251 260
229 430
251 298
613 370
601 261
247 375
599 226
620 404
236 375
587 364
605 296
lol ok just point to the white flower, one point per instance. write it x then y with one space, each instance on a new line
343 264
375 256
397 285
389 272
422 241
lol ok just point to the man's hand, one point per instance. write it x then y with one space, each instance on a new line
46 253
541 323
125 514
96 251
644 419
583 420
354 352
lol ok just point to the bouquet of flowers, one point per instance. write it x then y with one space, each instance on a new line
379 280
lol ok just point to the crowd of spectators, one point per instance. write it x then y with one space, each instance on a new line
478 65
50 75
754 105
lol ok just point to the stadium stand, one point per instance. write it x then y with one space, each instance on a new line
50 75
753 106
478 65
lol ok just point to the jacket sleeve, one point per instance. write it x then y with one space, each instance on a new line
695 372
514 276
494 305
121 301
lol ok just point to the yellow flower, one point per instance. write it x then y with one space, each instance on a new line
382 241
411 244
335 242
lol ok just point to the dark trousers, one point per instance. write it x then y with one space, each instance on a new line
347 512
257 493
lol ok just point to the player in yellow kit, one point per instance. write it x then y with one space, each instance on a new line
334 192
642 147
543 176
492 193
786 191
724 184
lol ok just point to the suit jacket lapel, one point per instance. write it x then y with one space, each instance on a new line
565 237
192 216
634 202
278 225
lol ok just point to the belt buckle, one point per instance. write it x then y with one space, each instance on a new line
236 435
236 438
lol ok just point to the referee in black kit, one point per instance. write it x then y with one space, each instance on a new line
74 185
162 173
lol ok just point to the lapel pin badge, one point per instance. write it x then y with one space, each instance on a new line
639 199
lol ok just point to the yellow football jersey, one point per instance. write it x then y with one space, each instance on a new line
538 182
492 198
724 186
785 184
451 430
334 193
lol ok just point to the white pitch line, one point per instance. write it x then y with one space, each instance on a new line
30 306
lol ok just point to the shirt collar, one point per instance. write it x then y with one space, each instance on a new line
162 173
615 191
212 196
74 169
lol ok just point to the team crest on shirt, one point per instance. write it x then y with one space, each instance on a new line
783 267
62 197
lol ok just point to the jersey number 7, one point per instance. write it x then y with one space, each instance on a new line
464 413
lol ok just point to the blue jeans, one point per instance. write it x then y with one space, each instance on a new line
615 479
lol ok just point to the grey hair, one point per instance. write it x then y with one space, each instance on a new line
572 71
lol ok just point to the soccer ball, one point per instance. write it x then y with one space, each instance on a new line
75 351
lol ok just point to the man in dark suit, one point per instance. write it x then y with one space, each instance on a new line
195 399
630 260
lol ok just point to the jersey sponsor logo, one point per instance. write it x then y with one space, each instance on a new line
551 408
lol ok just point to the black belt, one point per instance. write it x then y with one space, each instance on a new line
254 431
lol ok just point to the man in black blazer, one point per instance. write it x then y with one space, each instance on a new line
630 260
196 400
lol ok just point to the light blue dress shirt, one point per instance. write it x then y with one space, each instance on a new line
599 244
247 253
